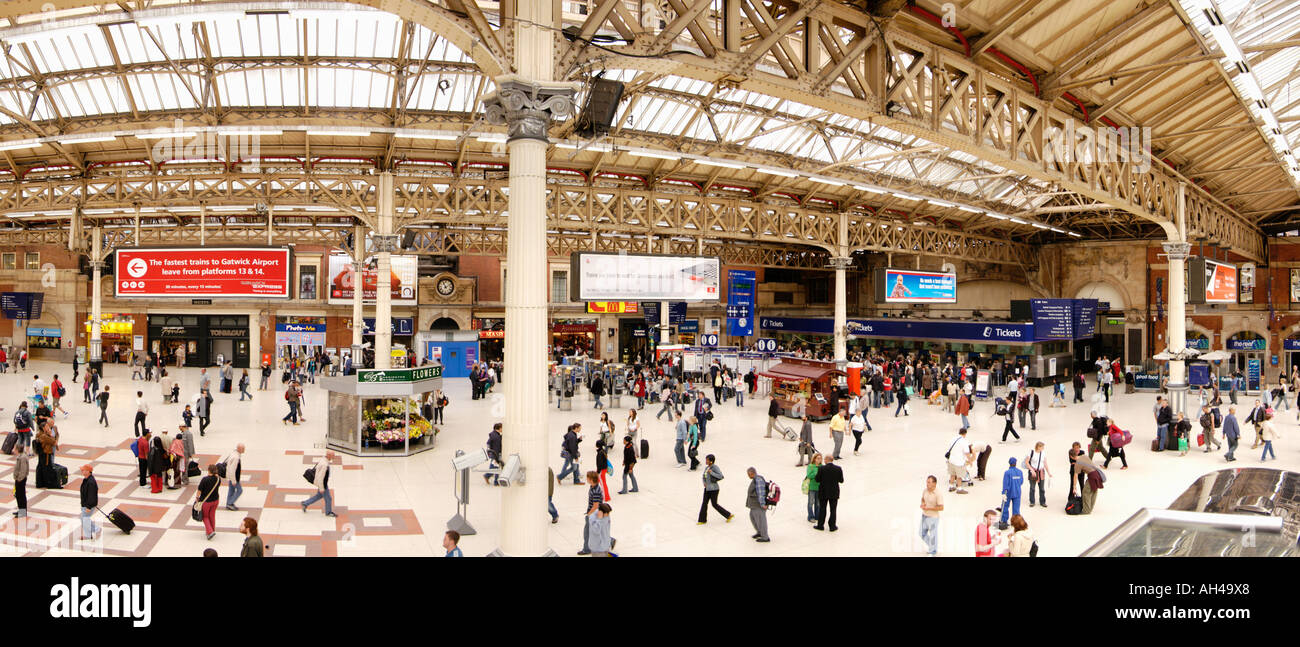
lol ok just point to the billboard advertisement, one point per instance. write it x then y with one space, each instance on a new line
1220 284
401 280
644 277
208 272
915 286
613 307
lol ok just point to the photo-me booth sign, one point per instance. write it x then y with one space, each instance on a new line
915 286
596 276
401 280
1211 281
222 272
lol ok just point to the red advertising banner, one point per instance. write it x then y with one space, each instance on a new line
1220 282
232 272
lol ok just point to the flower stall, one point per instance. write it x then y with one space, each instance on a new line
377 412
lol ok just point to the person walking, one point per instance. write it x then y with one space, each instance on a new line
629 462
176 460
837 433
810 486
1078 384
1256 419
291 397
253 546
1207 429
693 444
22 466
141 412
773 410
57 391
666 401
202 409
265 376
494 453
712 474
103 406
858 425
1008 410
963 409
683 430
234 474
829 478
85 390
158 462
1115 444
931 506
439 403
1267 434
206 498
1231 433
598 389
959 454
1012 480
1031 407
595 498
243 386
756 501
569 452
806 445
322 483
89 502
1183 429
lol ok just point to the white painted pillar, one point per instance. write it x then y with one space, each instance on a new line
1176 332
358 312
96 349
841 264
525 103
385 244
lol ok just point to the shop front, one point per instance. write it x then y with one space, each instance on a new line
456 350
1248 350
299 337
377 412
492 339
200 340
575 337
44 342
117 333
1291 350
634 340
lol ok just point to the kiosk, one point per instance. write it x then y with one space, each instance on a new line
377 412
804 382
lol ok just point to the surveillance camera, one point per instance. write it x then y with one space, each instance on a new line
470 460
513 472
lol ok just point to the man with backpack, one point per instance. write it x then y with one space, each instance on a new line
291 397
23 426
757 501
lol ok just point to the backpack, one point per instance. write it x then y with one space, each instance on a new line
1033 550
310 475
221 469
773 494
18 419
60 390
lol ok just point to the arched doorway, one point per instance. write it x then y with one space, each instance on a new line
444 323
1291 353
1247 348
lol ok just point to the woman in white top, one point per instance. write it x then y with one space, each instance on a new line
858 424
1036 467
606 428
1021 542
633 425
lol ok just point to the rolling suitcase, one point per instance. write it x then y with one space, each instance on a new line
120 519
645 449
1155 445
61 473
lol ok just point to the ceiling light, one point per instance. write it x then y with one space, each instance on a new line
237 130
339 133
19 145
1018 221
1039 225
710 162
655 155
940 203
823 180
918 223
907 197
1075 234
996 215
427 135
86 139
1059 231
867 189
776 172
491 138
171 134
966 208
20 214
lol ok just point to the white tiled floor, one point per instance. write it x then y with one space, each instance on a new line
878 511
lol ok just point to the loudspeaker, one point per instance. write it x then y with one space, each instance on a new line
600 108
408 239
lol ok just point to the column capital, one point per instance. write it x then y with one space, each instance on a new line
1178 251
386 243
840 262
526 107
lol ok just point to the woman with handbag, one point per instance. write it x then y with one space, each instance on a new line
1036 466
693 444
439 401
633 425
176 454
810 487
205 501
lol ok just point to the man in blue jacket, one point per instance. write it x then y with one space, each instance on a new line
1231 431
1012 479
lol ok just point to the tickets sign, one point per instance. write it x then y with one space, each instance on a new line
220 272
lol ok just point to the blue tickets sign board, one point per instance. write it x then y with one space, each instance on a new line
975 331
1053 318
1085 318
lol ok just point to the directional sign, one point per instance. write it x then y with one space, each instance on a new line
708 339
765 345
738 312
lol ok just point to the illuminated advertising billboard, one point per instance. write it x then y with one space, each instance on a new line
401 280
644 277
207 272
915 286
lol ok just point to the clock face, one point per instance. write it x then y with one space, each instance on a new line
446 287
